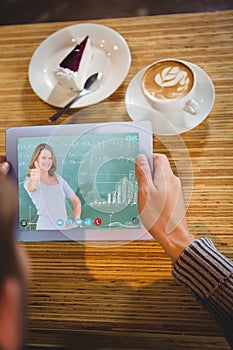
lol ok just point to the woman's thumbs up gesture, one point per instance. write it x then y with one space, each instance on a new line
34 178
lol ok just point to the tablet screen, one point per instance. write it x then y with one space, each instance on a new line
75 183
99 169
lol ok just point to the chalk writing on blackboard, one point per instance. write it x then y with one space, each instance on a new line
100 168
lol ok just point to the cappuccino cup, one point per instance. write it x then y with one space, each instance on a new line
169 85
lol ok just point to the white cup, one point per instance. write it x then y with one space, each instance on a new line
169 85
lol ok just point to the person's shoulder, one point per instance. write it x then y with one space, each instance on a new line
59 178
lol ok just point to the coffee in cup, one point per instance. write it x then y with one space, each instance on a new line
169 84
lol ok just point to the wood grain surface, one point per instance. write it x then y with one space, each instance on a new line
87 297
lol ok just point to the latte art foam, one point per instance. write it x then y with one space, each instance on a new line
168 80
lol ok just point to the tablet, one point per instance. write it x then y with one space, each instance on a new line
77 181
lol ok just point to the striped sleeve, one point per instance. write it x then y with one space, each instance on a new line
209 277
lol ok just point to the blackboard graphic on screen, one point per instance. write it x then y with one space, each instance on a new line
99 168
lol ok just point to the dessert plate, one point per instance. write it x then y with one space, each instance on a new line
177 122
111 56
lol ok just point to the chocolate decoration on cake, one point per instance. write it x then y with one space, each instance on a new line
73 59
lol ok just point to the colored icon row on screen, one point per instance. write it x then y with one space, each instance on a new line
80 222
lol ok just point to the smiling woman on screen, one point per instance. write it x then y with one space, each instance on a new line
48 191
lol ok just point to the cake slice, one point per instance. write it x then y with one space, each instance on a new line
71 73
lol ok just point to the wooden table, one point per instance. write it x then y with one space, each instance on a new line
125 298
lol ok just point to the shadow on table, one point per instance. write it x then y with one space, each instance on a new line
115 298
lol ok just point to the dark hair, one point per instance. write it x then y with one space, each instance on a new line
9 264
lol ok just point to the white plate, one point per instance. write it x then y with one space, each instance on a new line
175 123
111 56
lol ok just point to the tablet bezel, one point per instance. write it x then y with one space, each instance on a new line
145 133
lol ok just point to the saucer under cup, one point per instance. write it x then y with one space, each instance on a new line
179 120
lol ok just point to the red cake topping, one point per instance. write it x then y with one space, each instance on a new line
73 59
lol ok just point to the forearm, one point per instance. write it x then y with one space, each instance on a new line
77 207
175 242
209 276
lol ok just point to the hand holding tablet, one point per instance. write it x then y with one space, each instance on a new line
93 163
